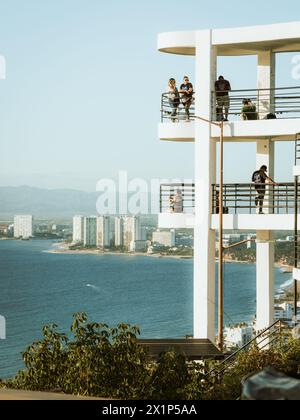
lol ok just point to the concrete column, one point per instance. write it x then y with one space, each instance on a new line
265 280
265 152
205 176
266 80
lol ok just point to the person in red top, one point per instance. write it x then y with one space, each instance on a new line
222 88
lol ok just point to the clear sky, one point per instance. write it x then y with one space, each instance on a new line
81 99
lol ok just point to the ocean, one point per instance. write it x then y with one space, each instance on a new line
40 288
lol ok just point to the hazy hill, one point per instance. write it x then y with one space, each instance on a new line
45 203
52 204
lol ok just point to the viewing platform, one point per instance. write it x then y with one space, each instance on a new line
283 37
267 114
180 215
240 205
277 116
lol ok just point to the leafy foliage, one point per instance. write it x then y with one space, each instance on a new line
96 360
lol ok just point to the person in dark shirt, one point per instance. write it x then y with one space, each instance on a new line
222 88
260 178
186 91
249 111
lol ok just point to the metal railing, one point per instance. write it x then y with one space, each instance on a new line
253 198
273 336
297 250
281 102
177 198
177 114
297 149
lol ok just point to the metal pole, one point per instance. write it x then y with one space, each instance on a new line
221 249
296 251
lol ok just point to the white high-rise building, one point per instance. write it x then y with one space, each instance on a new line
103 232
132 232
23 226
78 229
164 238
119 231
90 231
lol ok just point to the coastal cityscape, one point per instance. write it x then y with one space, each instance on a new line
140 236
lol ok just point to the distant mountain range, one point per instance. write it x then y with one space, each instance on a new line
46 204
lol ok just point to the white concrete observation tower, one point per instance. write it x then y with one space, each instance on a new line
200 202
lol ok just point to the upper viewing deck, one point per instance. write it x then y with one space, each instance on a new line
276 114
284 37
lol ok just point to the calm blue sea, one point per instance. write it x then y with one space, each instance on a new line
39 288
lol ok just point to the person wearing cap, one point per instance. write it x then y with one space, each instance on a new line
222 88
260 178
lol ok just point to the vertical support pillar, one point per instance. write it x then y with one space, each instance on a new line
265 252
265 81
205 176
265 152
265 280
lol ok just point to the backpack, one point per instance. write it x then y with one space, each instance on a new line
271 116
256 178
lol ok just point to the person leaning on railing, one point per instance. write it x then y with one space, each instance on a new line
186 91
259 178
249 111
176 202
174 98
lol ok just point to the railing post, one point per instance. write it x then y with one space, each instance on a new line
296 244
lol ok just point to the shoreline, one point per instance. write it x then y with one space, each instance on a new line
64 249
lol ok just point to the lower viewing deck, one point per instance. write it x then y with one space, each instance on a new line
193 349
242 204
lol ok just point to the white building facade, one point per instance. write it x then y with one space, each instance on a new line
103 232
237 337
78 229
132 232
23 226
164 238
119 232
90 232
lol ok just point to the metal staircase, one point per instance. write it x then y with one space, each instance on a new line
274 336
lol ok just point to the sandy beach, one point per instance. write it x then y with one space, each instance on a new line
64 249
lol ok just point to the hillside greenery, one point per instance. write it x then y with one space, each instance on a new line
96 360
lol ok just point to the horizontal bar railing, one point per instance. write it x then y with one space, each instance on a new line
177 198
267 338
297 149
297 249
254 198
169 113
281 102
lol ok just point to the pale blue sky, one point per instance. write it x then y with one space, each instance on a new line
82 96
